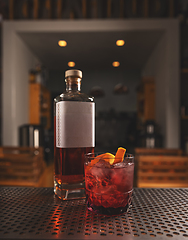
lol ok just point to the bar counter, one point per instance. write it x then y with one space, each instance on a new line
35 213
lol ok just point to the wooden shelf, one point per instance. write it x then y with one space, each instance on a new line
38 98
146 100
45 180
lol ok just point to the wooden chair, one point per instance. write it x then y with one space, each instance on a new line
157 151
161 168
21 166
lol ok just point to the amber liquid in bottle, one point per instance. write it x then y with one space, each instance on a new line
69 161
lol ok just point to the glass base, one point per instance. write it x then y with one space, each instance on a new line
107 211
108 204
69 191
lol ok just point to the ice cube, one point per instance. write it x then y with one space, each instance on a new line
123 178
102 172
100 169
97 172
119 165
102 164
90 181
118 175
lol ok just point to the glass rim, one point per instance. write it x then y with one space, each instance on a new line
127 159
94 155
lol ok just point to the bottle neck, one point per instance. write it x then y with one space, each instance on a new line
73 84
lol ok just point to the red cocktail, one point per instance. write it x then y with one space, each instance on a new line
108 186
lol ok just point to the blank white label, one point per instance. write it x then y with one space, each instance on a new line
75 124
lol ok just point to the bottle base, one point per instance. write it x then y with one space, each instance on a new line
69 191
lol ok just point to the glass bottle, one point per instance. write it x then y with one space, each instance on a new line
74 136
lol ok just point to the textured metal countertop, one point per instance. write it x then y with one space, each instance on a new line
35 213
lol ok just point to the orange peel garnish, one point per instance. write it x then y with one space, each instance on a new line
119 155
108 157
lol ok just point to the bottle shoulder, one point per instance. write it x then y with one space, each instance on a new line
74 96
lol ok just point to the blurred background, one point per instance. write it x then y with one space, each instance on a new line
139 83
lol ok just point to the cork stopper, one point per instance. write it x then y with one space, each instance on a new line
73 73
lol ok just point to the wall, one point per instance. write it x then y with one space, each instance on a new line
17 61
156 66
162 64
107 79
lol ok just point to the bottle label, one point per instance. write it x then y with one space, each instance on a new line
75 124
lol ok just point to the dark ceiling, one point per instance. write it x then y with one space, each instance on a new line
92 50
